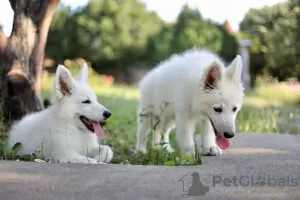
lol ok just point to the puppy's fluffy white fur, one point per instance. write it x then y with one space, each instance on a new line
194 86
57 132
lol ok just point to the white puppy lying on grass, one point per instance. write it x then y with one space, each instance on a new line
66 131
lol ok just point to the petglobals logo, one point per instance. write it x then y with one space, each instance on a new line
256 181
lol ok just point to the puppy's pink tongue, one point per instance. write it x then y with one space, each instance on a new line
222 142
98 130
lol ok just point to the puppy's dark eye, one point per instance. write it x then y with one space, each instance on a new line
234 109
219 110
86 101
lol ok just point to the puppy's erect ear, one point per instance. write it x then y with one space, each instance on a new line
234 71
212 76
64 82
83 73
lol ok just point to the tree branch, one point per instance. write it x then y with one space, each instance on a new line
46 17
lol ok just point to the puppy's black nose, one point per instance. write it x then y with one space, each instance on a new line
228 134
106 114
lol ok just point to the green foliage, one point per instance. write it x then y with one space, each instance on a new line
274 33
122 34
108 31
60 44
192 30
159 46
229 44
10 153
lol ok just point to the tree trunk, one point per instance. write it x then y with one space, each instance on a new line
21 58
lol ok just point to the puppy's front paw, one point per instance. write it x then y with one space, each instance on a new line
169 149
139 150
166 147
211 151
105 154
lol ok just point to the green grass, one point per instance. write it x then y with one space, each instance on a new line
269 108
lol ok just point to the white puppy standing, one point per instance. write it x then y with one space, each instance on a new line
67 131
194 86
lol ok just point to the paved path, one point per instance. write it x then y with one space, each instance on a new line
274 158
